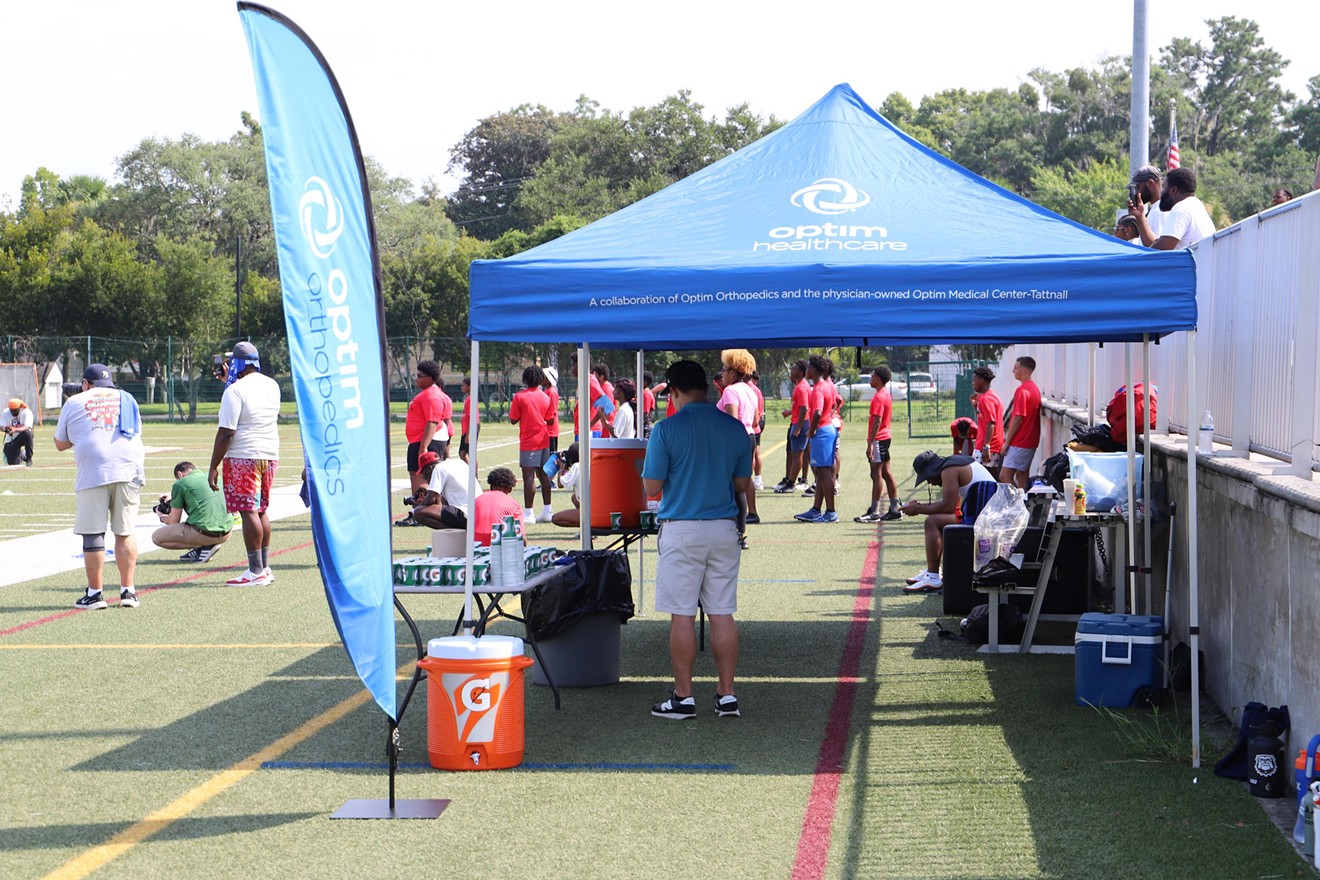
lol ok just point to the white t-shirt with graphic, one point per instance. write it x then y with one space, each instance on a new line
90 421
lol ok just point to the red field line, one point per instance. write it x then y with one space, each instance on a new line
813 848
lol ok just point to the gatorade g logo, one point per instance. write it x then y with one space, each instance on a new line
830 195
476 701
321 216
1266 765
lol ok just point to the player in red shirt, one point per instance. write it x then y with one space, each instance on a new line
799 420
600 404
492 507
530 411
989 416
601 372
648 404
823 436
470 413
878 438
963 430
426 426
1023 433
755 382
551 389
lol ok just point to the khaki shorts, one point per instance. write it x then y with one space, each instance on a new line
182 536
699 560
118 501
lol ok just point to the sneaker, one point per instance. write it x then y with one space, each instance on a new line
528 522
921 573
128 599
891 516
249 579
869 517
783 486
407 521
545 516
753 519
928 583
801 483
204 554
193 555
675 708
95 602
266 572
811 515
810 491
726 705
829 516
757 481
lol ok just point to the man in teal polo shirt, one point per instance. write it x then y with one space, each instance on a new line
700 459
208 522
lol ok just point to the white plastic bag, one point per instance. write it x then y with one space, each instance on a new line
1104 474
1000 525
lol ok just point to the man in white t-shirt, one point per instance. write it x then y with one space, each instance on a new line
1146 185
446 504
248 443
103 427
17 424
1184 219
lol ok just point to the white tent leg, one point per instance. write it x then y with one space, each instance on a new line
1090 384
584 444
1193 603
474 430
1131 440
640 403
1148 557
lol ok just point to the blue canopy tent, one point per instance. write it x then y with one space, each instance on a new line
835 230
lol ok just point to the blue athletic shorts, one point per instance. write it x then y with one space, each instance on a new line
797 438
822 446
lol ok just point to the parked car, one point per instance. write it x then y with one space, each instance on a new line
853 391
920 383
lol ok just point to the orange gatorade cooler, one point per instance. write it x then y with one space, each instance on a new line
616 482
474 702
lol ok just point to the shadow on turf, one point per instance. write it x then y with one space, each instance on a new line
80 836
786 702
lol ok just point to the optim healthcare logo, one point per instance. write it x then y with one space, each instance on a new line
321 217
829 196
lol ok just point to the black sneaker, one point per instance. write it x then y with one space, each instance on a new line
753 519
783 486
95 601
810 491
193 555
128 599
726 706
891 516
204 554
407 521
675 708
869 517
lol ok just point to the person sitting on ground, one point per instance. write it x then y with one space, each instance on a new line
570 471
965 489
625 416
739 400
444 504
490 508
208 525
878 438
17 424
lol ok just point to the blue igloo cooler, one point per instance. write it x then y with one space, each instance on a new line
1118 660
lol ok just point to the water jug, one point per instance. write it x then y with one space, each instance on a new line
1265 762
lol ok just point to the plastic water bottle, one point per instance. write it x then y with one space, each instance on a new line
511 554
1205 438
976 455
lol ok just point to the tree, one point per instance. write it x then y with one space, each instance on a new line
1231 86
1090 195
995 134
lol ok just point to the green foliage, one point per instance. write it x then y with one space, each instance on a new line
1090 195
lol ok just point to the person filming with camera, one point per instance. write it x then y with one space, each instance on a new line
208 523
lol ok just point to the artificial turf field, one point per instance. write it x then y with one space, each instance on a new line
212 731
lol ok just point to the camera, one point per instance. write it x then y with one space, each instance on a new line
162 507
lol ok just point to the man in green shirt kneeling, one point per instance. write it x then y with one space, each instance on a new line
208 522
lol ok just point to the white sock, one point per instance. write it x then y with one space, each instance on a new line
527 513
546 510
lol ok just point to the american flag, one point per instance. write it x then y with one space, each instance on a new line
1173 145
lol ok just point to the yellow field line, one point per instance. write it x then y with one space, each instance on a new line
161 819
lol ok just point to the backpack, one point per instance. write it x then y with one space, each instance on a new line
976 627
1056 469
1116 412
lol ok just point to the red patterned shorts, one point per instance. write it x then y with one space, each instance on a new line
248 483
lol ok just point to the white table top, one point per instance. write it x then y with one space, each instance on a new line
531 583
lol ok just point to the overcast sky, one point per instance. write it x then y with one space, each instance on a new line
86 80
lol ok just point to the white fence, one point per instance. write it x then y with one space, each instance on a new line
1257 343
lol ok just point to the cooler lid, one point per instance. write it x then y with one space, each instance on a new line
1121 624
472 648
616 443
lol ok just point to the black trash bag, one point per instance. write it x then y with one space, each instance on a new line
1055 470
976 627
597 580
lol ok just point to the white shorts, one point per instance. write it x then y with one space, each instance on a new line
1018 458
117 501
698 560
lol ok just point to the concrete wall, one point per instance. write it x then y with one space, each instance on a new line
1259 560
